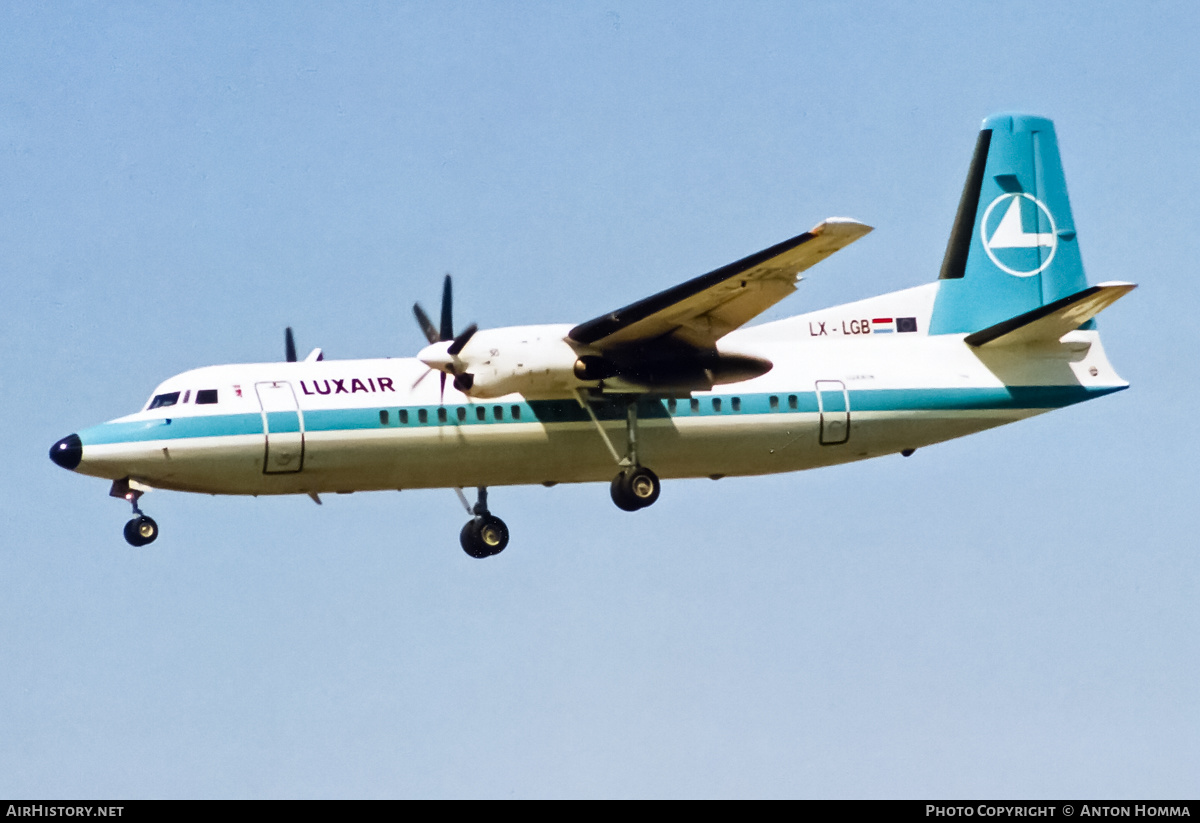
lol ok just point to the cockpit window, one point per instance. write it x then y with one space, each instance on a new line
206 396
160 400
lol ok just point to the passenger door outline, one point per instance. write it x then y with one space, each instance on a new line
283 427
833 402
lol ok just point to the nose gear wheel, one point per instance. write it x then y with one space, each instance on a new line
141 531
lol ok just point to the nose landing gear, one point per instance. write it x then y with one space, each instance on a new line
141 530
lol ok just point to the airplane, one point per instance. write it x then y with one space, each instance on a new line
671 386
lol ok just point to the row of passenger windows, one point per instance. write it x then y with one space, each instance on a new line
443 416
559 410
204 397
735 404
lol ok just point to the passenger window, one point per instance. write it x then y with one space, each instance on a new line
441 414
498 412
423 415
404 416
695 405
516 412
206 397
162 400
481 412
462 414
383 417
737 404
774 402
792 404
671 406
716 404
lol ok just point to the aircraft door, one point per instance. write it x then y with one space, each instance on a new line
833 401
283 427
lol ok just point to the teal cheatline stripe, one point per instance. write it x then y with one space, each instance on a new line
1004 397
173 428
281 422
329 420
567 411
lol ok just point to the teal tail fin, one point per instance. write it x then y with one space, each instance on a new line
1013 247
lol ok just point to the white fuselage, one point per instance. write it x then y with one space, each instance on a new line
843 387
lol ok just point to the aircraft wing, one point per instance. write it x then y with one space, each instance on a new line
704 309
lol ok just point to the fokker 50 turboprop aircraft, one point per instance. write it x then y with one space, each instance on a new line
669 386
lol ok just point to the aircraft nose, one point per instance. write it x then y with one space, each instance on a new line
67 452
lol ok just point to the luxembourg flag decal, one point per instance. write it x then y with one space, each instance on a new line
887 325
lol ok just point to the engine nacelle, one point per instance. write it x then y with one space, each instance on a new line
538 361
533 361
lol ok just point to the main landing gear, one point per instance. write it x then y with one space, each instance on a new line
484 534
141 530
635 486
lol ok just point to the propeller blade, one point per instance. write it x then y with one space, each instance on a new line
424 374
425 323
442 389
447 330
289 345
461 341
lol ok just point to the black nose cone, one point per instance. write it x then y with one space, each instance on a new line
67 452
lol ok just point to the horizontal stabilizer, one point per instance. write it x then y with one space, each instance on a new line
1047 324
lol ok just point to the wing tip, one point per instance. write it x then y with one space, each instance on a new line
846 226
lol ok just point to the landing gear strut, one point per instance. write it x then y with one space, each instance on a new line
635 486
141 530
484 534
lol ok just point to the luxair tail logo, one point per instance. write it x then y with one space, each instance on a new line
1006 240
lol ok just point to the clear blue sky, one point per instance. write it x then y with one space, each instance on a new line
1010 615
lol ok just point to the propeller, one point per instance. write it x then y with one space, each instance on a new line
449 362
289 348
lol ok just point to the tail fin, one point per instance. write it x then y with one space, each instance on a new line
1013 248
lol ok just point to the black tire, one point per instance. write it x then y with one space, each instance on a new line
635 488
621 494
469 538
141 531
483 536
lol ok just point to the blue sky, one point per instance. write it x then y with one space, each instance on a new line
1009 615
